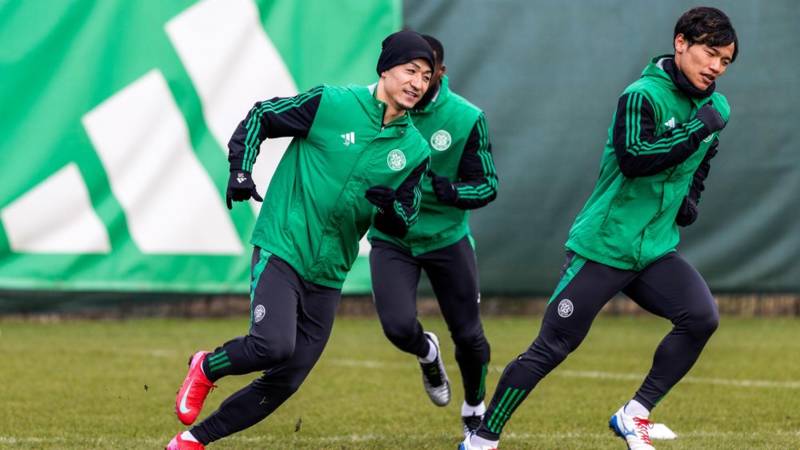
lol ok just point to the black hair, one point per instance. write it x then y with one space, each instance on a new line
436 46
707 26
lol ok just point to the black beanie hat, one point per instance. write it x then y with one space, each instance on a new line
401 47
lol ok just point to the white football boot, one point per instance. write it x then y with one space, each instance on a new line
470 443
635 430
659 431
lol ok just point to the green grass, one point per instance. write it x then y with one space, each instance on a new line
112 384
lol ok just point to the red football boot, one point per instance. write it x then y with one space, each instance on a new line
177 443
193 392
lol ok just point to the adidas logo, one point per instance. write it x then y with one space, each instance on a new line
349 138
670 123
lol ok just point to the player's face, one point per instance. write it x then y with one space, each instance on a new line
700 63
406 84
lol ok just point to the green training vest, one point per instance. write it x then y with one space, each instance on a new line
445 123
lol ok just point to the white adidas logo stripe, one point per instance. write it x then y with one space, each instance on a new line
208 37
349 138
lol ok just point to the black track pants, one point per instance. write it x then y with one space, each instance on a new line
291 321
670 287
453 274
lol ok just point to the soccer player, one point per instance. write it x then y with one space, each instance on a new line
624 240
463 178
349 143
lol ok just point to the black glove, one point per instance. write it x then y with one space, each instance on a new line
381 196
710 117
687 213
241 188
701 173
445 191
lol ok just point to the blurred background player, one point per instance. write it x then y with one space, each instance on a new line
349 143
624 240
463 177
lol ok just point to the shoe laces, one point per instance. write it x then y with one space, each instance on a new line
471 423
432 372
643 427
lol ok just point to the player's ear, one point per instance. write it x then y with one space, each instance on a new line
680 43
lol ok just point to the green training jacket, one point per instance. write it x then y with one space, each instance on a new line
654 146
460 150
315 213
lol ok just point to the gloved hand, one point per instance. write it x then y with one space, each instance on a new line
445 191
710 117
713 149
701 173
241 187
687 213
381 196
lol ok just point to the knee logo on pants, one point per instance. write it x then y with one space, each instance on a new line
259 313
565 308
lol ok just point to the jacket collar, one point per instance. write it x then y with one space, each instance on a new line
664 67
375 108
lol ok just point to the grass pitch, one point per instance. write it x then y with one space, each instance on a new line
112 384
